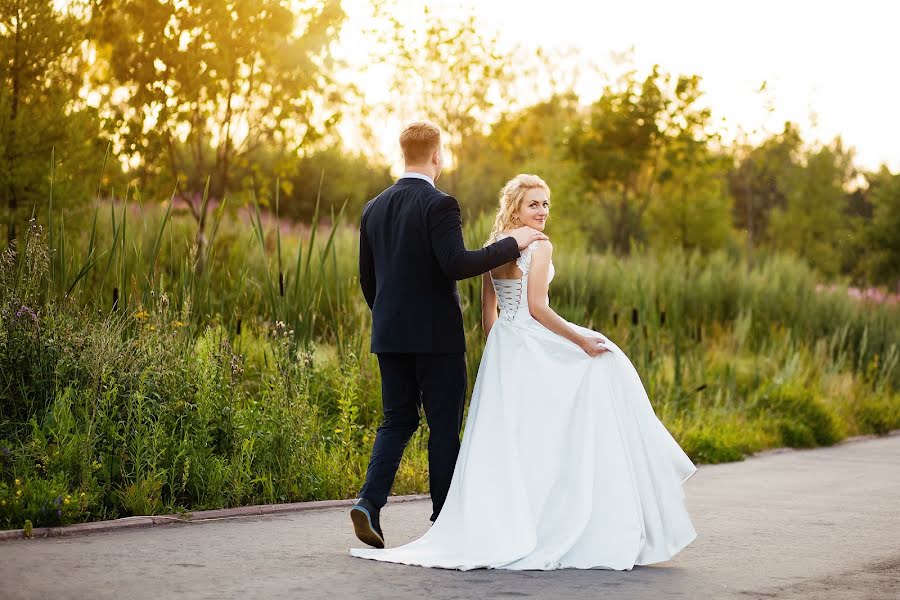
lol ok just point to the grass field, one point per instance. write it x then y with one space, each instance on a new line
139 375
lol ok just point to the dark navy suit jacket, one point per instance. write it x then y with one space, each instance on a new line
411 253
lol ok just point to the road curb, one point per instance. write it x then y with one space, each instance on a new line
270 509
188 517
848 440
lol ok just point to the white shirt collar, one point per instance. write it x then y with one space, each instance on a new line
415 175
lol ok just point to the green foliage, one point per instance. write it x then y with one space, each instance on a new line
451 73
130 415
172 405
150 363
707 447
328 178
45 502
760 183
802 420
635 137
882 240
42 122
878 415
205 98
529 141
812 223
692 208
218 81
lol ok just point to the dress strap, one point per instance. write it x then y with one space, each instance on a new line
524 260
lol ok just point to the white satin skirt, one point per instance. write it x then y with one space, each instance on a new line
563 464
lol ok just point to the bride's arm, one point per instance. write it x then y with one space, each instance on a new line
488 303
538 284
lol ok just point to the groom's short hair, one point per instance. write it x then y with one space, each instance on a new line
418 141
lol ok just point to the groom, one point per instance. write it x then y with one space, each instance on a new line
411 253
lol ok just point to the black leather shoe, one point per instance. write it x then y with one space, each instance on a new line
366 524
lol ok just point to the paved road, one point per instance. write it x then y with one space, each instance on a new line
817 524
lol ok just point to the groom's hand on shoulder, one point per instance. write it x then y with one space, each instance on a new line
525 235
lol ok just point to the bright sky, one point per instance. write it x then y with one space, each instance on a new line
830 66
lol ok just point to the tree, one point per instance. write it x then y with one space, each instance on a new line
622 144
41 116
759 183
692 208
210 82
526 140
331 177
452 74
882 235
813 223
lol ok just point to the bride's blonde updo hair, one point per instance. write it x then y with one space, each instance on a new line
511 197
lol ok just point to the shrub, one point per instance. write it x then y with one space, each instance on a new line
878 415
801 419
225 389
706 447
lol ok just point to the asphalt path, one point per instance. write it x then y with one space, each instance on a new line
821 524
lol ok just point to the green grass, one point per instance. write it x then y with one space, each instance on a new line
241 374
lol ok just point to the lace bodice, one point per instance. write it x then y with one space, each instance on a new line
512 294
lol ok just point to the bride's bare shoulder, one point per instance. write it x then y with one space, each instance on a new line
544 248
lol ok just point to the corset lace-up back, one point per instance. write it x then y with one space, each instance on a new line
512 294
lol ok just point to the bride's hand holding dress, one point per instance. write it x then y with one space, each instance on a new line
539 305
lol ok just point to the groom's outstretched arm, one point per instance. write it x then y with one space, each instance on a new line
445 223
366 265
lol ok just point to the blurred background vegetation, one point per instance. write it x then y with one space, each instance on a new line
180 321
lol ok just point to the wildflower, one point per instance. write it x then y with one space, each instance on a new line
177 324
141 315
281 329
18 492
237 364
18 481
83 494
152 328
27 312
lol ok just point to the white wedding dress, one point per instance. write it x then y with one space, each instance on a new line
563 462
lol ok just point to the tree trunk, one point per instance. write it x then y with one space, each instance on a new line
622 235
748 201
13 201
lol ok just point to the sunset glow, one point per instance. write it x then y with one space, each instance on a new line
825 67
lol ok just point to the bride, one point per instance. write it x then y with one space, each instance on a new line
563 462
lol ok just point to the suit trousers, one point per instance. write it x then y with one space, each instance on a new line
437 383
